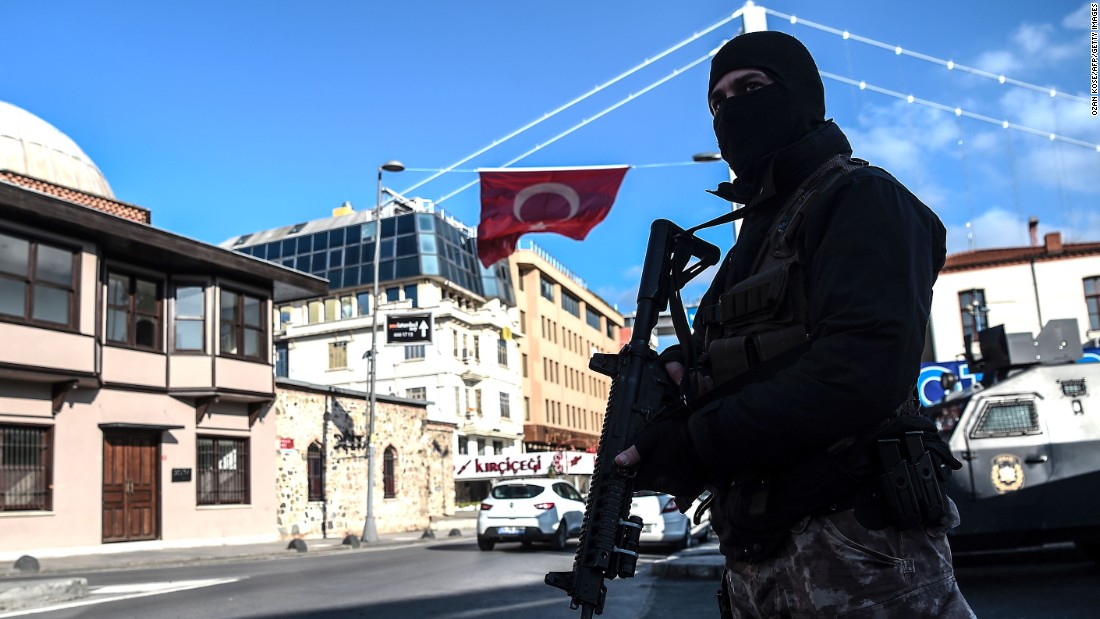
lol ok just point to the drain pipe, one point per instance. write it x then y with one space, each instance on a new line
324 467
1035 286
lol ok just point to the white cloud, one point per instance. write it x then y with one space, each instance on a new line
904 138
622 298
1055 164
1079 19
1031 46
1000 62
996 227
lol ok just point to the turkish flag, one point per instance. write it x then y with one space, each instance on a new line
569 201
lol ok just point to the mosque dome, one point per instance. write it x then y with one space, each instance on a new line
34 147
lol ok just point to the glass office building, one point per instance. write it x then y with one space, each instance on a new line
413 245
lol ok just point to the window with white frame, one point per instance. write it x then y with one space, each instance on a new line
190 319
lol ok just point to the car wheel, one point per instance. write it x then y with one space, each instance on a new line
485 544
560 537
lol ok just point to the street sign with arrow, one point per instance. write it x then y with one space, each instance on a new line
409 329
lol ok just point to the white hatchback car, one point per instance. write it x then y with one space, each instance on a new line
662 522
530 510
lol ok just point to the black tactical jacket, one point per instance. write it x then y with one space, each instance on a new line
871 252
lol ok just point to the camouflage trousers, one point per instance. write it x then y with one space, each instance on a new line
832 566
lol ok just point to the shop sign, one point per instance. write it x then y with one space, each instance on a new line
532 464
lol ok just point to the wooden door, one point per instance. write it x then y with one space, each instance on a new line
130 490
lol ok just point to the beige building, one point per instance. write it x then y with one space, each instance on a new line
136 371
564 323
322 463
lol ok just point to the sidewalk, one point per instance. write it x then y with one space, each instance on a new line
56 579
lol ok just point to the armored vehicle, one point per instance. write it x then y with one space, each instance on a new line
1028 436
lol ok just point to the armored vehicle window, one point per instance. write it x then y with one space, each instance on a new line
1007 418
1073 388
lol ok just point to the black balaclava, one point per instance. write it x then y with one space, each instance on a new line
752 127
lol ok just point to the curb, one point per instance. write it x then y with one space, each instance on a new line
140 560
37 593
704 562
689 569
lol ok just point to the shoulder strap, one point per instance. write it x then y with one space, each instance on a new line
779 246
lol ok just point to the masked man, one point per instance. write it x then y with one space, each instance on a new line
802 418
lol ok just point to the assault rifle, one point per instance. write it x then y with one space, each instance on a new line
608 545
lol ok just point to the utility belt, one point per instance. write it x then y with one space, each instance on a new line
907 490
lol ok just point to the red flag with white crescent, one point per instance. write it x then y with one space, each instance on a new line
569 201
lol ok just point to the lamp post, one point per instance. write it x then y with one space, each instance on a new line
370 532
704 157
712 156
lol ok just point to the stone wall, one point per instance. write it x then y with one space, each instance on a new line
424 480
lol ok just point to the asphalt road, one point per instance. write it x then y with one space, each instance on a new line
451 579
454 580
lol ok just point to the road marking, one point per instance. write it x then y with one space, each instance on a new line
116 593
497 609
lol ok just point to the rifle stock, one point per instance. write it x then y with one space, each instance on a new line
608 546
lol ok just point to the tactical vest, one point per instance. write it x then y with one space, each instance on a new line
764 315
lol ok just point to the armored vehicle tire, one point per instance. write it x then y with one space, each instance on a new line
485 544
560 537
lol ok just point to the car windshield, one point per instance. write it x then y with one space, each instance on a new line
517 491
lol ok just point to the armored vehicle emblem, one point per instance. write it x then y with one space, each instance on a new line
1007 473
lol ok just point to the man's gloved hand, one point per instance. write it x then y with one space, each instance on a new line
665 459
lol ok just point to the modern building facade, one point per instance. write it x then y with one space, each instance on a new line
457 349
136 373
564 324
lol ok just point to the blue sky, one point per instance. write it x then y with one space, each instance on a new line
230 117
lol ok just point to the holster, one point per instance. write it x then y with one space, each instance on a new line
909 491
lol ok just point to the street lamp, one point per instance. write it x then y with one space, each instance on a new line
703 157
711 156
370 532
